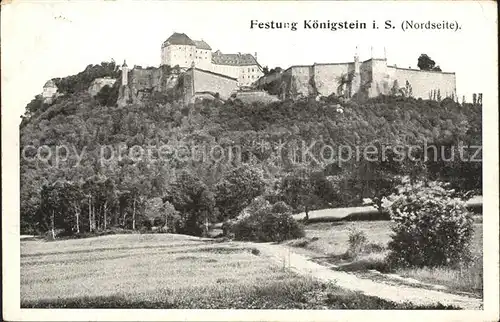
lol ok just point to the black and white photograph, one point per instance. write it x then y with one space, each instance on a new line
250 160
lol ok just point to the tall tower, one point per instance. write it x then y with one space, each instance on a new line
356 77
356 61
124 73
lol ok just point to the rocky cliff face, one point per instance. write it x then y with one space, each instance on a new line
99 83
143 82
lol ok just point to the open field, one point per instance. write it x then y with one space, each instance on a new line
328 243
369 213
341 214
170 271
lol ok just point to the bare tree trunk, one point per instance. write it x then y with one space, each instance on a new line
77 214
105 209
133 217
53 225
206 225
93 218
90 214
98 219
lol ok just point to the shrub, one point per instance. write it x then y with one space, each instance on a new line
431 227
270 223
357 241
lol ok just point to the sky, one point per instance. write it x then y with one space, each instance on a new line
46 39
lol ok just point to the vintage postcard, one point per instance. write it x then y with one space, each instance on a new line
250 160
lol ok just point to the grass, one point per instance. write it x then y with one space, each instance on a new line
332 238
331 242
468 279
171 271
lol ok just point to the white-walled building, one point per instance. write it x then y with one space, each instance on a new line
203 55
243 67
181 50
49 89
178 49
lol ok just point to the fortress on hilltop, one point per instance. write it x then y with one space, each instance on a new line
371 77
192 64
190 69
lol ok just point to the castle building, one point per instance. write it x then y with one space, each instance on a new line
49 89
180 50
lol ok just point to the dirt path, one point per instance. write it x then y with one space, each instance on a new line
298 263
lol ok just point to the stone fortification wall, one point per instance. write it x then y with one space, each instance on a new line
326 77
375 78
297 81
201 81
379 82
153 79
424 82
142 82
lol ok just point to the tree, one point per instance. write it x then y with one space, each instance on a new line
431 226
137 200
50 202
171 218
395 88
426 63
268 223
153 209
298 190
268 71
406 91
108 94
237 189
75 197
194 201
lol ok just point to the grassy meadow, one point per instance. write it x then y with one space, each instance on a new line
328 242
170 271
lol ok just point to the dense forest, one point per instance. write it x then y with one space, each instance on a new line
89 166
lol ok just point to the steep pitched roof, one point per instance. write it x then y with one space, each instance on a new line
179 39
213 73
201 44
234 59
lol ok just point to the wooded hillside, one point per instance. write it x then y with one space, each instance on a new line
88 187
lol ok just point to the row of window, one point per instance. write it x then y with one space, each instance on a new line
244 83
190 55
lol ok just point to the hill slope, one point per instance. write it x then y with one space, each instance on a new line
210 138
